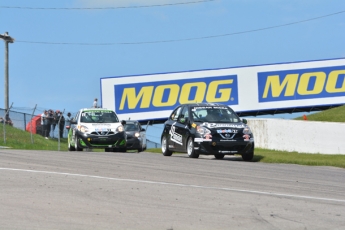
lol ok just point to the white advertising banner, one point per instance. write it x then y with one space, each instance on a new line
245 89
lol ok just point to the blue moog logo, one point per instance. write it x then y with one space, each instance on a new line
301 84
166 95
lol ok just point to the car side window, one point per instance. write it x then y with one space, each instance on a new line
175 115
76 116
185 112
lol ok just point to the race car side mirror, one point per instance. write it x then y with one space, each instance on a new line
244 121
123 122
184 120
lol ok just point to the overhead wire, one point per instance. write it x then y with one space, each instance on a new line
103 8
182 39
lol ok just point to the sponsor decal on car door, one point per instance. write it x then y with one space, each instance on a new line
174 135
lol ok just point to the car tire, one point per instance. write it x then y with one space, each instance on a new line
76 145
219 156
165 147
190 149
247 156
70 147
140 149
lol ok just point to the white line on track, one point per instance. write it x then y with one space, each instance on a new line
180 185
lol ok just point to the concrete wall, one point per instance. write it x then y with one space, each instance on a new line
299 136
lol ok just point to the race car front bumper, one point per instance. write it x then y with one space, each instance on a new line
214 147
133 143
117 140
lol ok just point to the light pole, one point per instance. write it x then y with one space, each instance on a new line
7 40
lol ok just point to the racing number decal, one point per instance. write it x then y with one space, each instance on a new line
175 137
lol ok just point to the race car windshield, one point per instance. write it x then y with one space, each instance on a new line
98 117
214 114
131 127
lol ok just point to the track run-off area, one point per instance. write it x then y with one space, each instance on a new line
106 190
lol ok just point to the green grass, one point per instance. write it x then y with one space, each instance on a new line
272 156
331 115
19 139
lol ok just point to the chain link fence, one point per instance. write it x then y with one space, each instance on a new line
21 120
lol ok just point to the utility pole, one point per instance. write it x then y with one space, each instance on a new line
7 39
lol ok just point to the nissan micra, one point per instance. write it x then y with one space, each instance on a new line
208 129
96 128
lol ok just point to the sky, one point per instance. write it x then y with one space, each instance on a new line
63 47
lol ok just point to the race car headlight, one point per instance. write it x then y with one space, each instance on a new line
247 130
202 130
136 134
119 129
83 129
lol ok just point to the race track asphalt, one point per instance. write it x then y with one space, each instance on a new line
102 190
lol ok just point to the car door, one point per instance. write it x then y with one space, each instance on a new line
181 130
170 130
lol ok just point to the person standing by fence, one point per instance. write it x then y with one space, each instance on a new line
61 121
44 123
68 122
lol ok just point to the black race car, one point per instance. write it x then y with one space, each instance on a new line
208 129
136 135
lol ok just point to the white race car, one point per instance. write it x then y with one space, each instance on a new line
96 128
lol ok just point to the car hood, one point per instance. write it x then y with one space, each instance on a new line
237 125
101 126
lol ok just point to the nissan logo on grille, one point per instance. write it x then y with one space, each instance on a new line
227 131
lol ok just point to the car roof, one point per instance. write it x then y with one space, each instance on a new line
204 104
96 109
131 121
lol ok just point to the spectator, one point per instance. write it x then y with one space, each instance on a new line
61 121
2 120
9 121
68 121
44 123
54 121
95 103
50 119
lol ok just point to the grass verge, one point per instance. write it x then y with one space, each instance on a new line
272 156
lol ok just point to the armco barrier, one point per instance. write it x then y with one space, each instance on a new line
299 136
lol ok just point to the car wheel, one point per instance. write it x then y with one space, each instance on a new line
140 149
70 147
219 156
165 147
248 156
76 146
190 149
